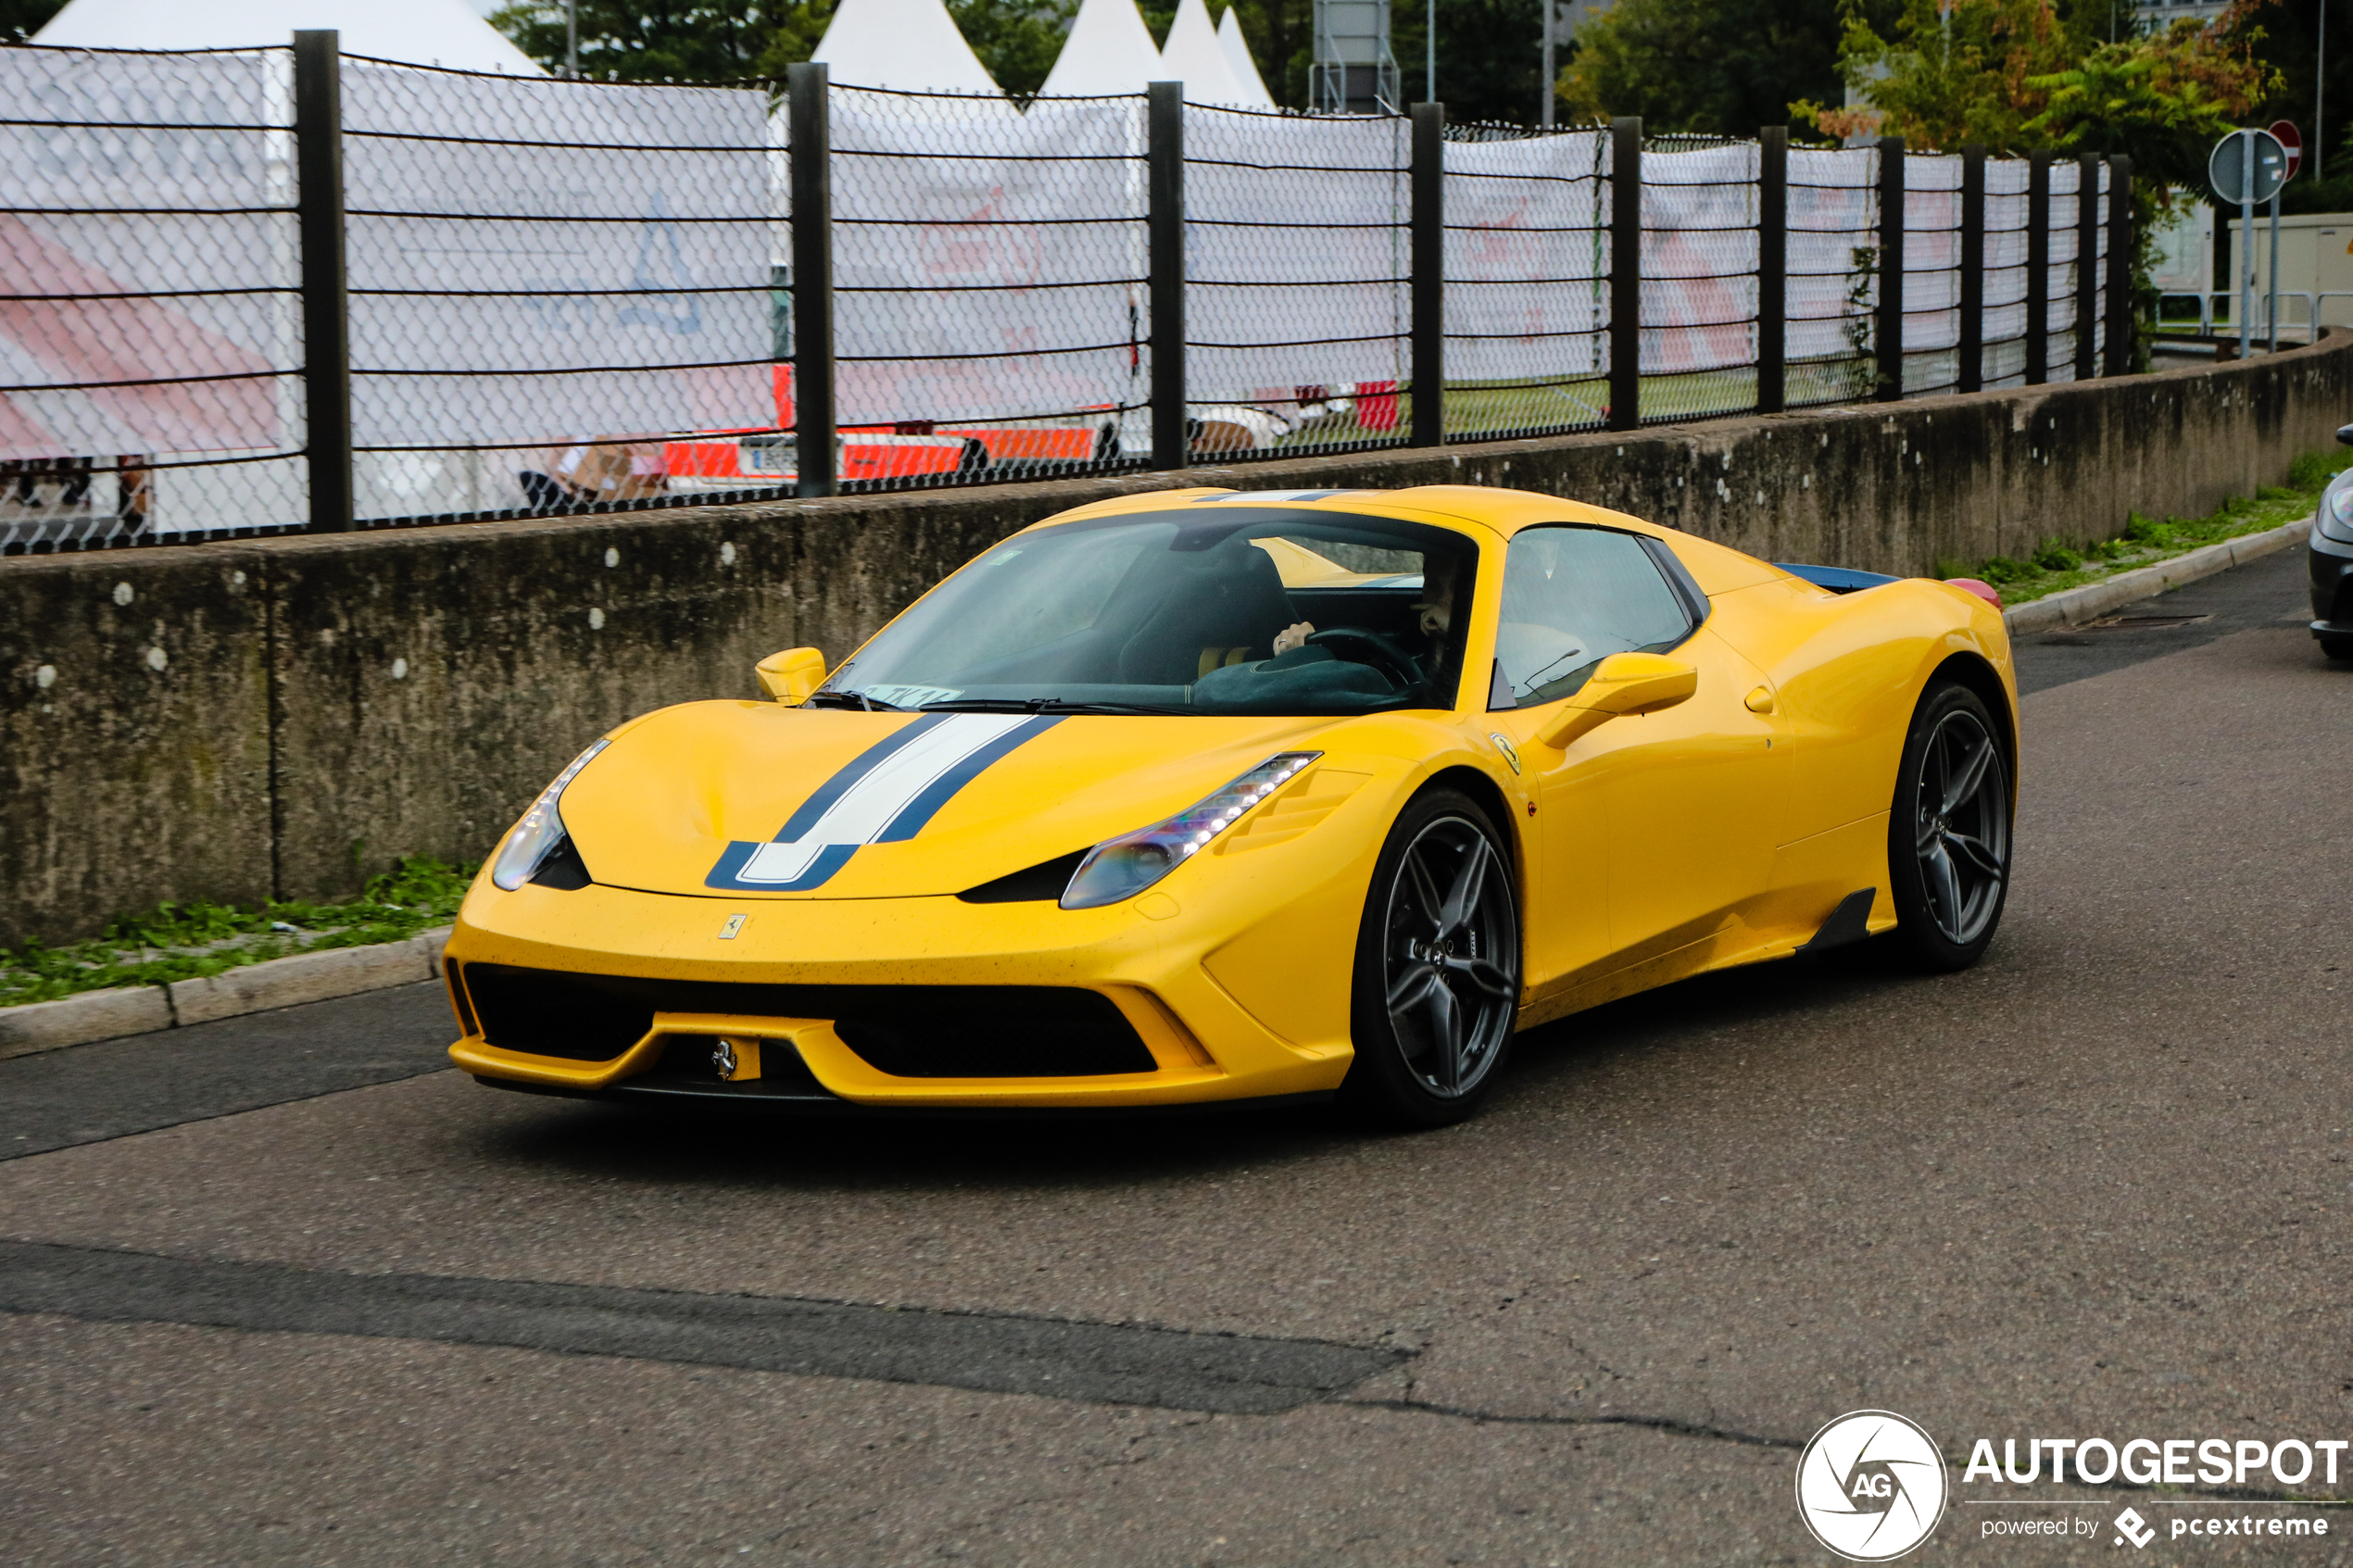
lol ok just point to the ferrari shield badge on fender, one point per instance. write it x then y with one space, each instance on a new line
727 932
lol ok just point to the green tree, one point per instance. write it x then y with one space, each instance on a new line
1722 67
1016 40
669 40
2020 74
2314 93
19 20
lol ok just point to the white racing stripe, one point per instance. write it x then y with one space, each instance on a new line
870 805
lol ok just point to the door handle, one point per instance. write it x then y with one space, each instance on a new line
1759 701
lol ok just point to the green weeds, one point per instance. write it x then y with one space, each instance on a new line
2059 564
185 941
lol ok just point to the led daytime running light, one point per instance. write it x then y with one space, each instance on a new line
542 828
1121 868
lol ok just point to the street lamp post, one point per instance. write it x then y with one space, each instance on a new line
1549 10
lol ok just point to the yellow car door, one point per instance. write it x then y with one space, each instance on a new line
1656 828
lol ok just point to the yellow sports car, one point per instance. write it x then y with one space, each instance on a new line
1201 796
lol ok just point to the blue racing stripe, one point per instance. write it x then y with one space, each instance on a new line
916 813
726 874
865 762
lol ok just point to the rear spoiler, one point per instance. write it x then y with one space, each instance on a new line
1844 580
1837 579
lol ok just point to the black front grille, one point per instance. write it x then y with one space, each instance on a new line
578 1017
991 1032
907 1031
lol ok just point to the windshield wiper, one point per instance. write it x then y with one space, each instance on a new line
1046 705
858 700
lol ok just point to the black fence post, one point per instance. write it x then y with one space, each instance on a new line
1165 148
2122 352
326 301
1888 340
1625 272
1772 268
1426 259
811 128
2087 266
2038 268
1973 268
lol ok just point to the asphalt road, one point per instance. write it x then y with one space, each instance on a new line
280 1291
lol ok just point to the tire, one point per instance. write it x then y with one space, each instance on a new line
1437 965
1948 836
2336 648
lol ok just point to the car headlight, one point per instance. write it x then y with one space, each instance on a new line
1123 866
2337 509
542 828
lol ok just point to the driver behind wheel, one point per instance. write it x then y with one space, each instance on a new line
1299 664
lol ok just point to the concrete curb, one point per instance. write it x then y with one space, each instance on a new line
2094 599
140 1009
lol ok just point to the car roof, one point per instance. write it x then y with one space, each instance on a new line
1470 508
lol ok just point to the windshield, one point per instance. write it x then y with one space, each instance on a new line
1255 611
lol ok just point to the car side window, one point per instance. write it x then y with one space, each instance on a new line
1573 596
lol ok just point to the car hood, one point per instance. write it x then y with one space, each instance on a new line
750 799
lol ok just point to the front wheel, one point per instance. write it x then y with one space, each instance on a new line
2336 648
1948 836
1437 987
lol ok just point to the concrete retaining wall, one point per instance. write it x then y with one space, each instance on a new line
236 720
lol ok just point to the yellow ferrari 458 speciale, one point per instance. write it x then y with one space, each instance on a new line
1198 796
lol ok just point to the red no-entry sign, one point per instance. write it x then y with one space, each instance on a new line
2289 138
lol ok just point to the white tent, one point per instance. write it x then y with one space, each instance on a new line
1109 50
424 32
1194 56
911 45
1230 37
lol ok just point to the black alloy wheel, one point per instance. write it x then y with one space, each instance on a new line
1948 836
1438 963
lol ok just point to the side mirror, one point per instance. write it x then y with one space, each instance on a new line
791 676
2344 435
1625 683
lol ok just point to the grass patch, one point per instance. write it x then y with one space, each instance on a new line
2058 565
186 941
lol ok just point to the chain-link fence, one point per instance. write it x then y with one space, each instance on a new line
1834 274
990 287
1527 257
150 340
561 292
1298 282
565 296
1700 277
1932 302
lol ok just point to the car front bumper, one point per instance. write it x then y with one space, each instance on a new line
1238 994
2329 564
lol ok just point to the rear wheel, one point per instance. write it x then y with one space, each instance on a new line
1948 837
2336 648
1437 986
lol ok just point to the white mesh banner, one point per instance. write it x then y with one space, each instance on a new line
1295 253
1527 261
504 228
1699 259
145 188
988 264
1834 230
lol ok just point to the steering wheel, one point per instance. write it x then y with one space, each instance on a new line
1360 647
